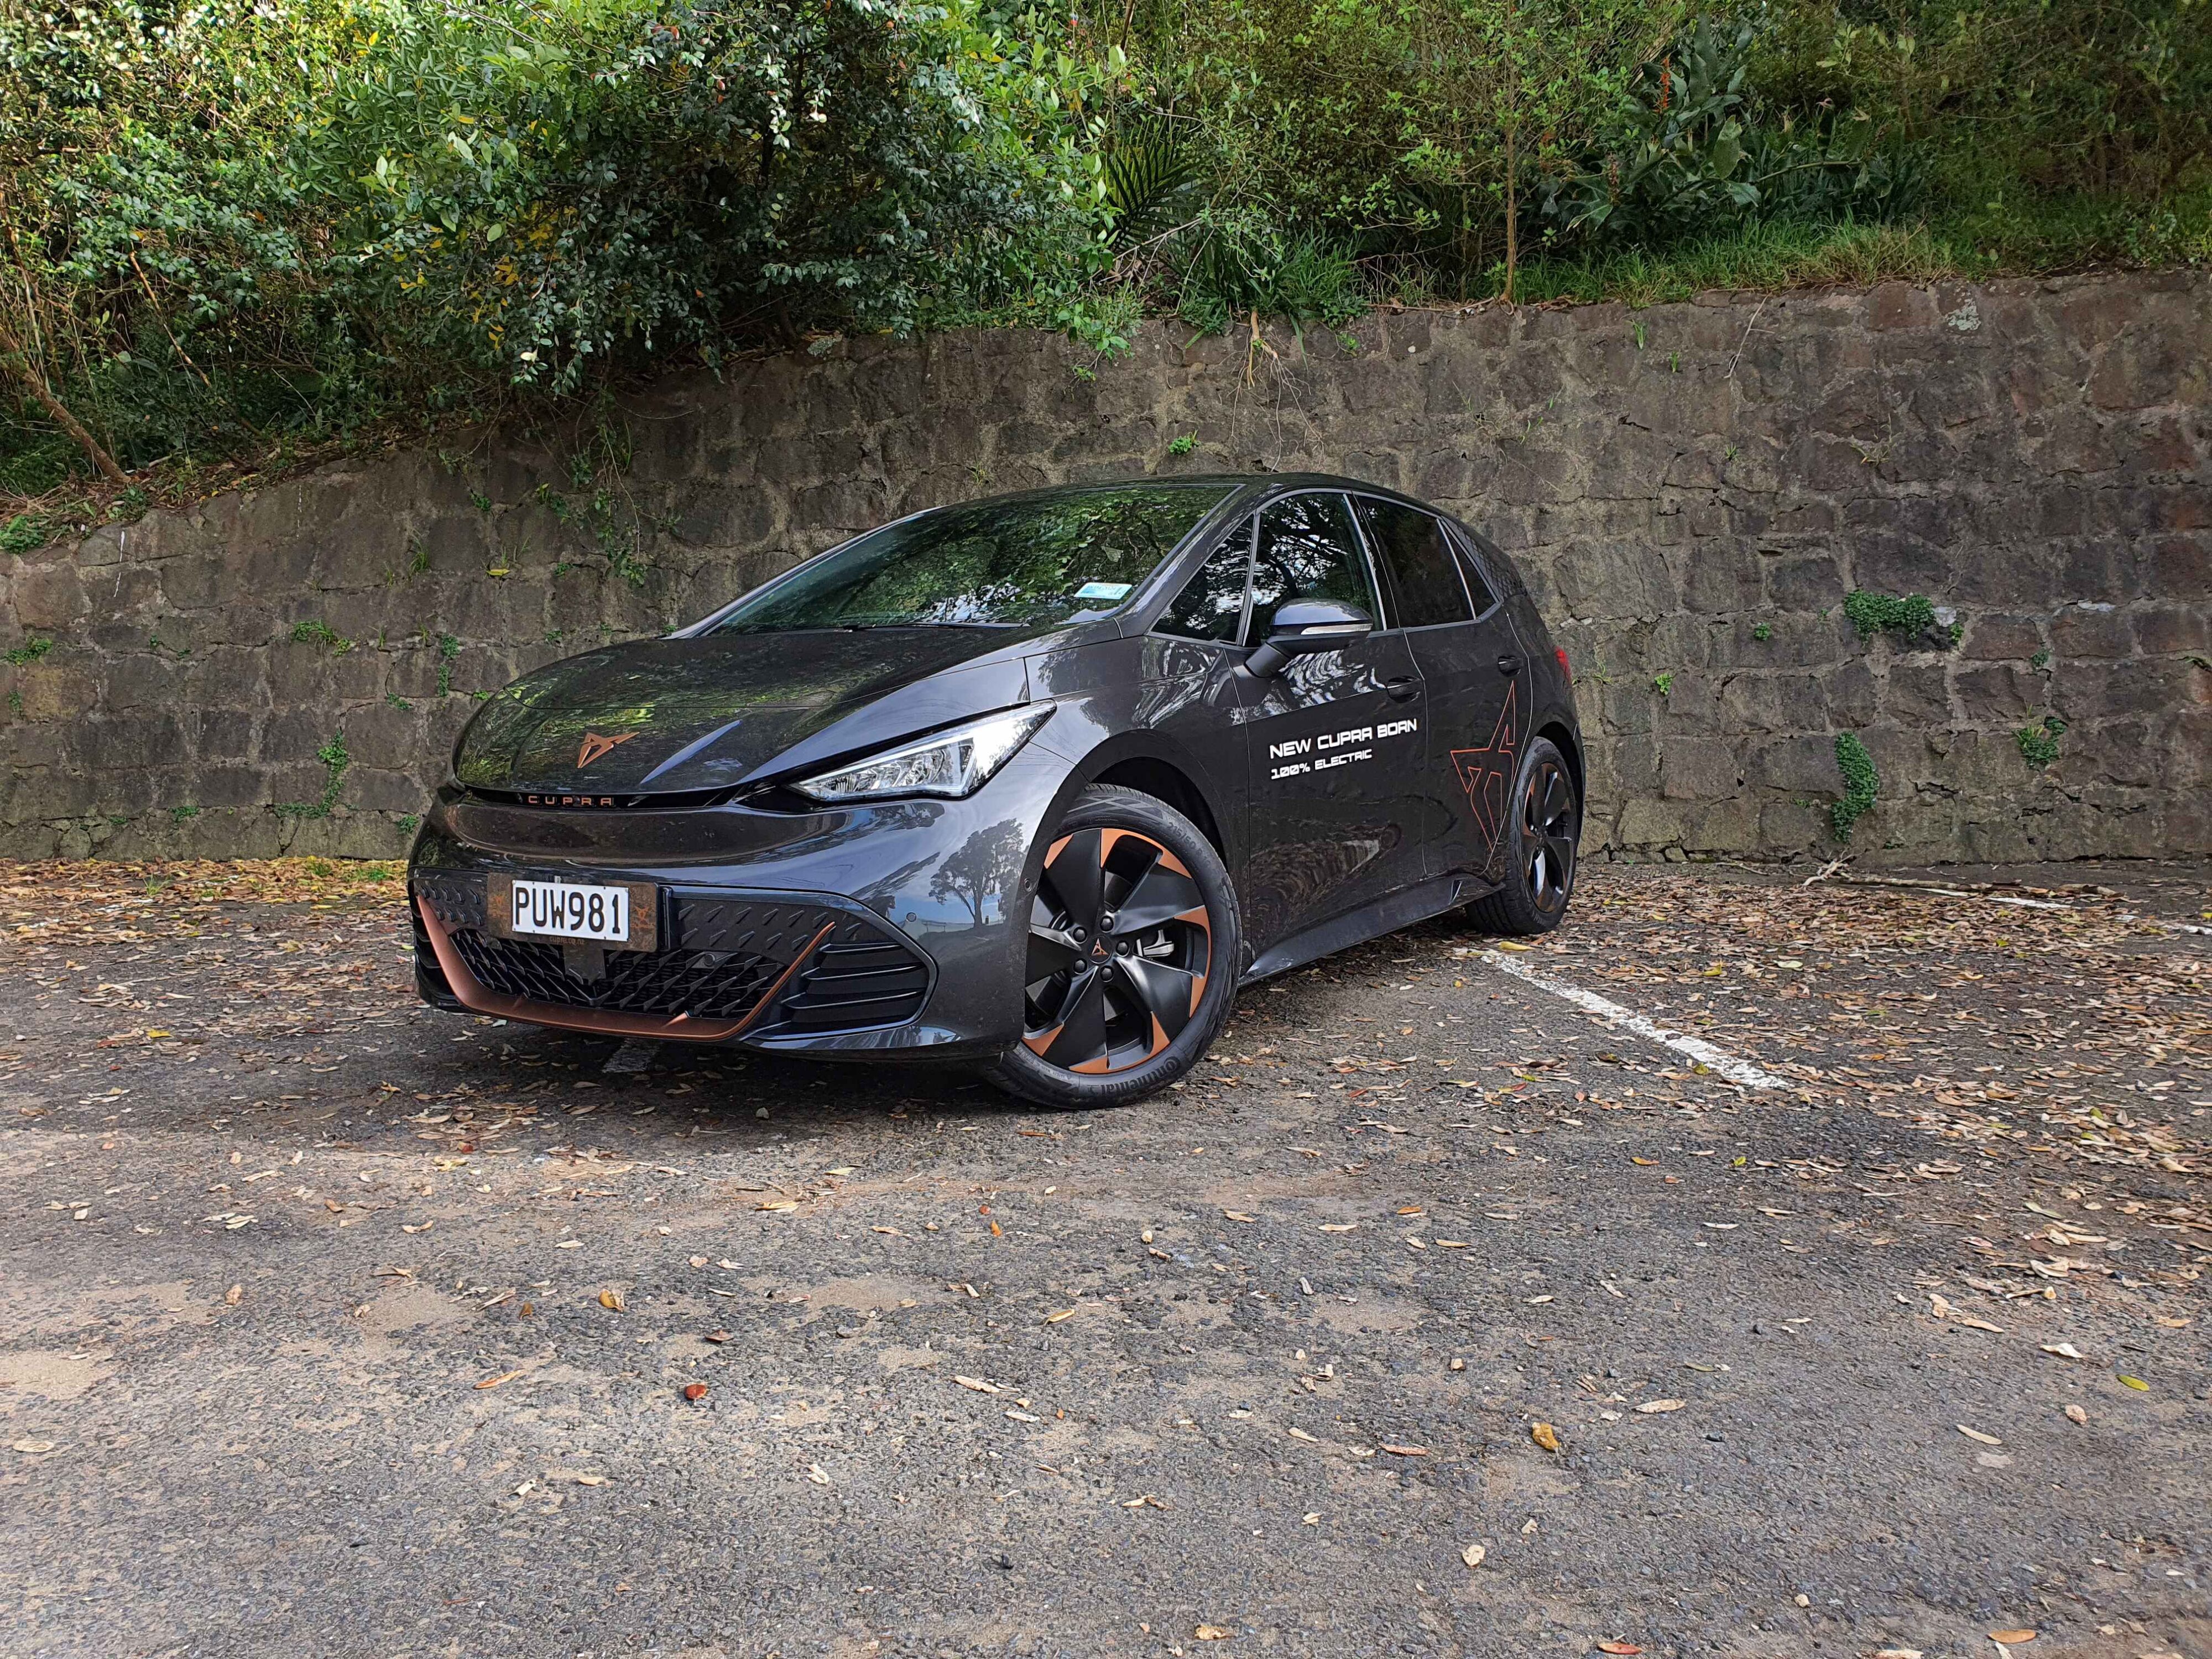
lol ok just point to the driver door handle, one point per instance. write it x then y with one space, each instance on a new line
1508 664
1403 690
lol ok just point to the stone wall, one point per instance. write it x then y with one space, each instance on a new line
1693 490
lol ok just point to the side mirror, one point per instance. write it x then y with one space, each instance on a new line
1305 627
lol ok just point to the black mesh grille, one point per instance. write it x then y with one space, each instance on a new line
723 955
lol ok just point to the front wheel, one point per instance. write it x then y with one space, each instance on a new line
1132 958
1543 834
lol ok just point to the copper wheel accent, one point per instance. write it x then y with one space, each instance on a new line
1120 947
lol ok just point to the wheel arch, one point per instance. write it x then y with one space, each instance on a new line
1164 781
1570 745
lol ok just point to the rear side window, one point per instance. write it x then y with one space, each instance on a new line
1211 604
1479 584
1424 574
1308 550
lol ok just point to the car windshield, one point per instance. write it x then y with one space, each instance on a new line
1020 562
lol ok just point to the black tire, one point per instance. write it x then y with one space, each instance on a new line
1543 831
1122 999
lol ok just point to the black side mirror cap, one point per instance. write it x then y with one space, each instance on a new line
1304 628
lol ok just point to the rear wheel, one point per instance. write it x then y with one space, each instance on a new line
1132 954
1543 832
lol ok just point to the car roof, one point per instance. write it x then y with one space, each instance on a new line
1252 487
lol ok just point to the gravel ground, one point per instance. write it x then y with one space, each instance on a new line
1439 1315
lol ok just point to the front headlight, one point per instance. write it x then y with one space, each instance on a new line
951 765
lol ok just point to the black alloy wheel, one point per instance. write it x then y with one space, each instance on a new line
1128 975
1551 826
1543 833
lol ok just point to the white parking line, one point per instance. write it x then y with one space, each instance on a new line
1715 1059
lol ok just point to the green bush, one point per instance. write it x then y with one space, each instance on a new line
1910 618
2038 744
1860 782
241 224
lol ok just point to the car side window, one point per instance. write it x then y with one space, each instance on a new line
1211 604
1424 575
1480 586
1309 549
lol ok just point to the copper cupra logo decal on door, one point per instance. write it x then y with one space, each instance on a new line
595 746
1486 773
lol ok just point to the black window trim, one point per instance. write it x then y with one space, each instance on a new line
1464 539
1378 565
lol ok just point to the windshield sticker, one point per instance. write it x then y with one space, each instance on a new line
1290 758
1105 589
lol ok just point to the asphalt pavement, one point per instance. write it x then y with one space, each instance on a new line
1440 1315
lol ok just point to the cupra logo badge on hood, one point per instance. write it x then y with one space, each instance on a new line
595 746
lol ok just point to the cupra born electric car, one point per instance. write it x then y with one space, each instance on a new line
1035 783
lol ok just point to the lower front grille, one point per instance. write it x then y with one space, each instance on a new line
724 954
704 984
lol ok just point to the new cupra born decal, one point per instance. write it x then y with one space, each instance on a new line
1032 784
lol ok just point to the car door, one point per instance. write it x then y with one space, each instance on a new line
1336 741
1470 660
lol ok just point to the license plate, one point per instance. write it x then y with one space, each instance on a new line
622 914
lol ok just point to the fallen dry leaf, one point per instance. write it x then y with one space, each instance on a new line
2134 1382
1396 1449
1976 1434
1239 1215
2011 1638
31 1448
1651 1405
1472 1554
1544 1436
1339 1226
2075 1414
494 1382
978 1384
2064 1350
695 1390
717 1336
1619 1647
1211 1633
1897 1653
231 1296
817 1475
612 1301
779 1206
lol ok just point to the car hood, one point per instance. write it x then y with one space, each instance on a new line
669 715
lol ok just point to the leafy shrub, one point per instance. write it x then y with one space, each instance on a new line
2038 744
1860 782
1240 264
1877 613
242 222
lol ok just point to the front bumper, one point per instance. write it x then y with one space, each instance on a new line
872 931
779 970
